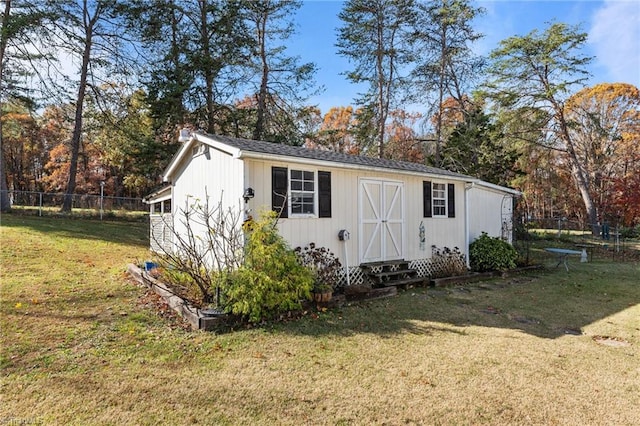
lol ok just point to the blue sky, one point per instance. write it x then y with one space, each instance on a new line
613 27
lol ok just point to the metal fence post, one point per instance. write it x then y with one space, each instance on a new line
101 198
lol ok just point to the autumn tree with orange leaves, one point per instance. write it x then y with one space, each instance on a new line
605 128
22 147
403 142
336 131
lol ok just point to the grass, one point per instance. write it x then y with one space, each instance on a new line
79 213
82 345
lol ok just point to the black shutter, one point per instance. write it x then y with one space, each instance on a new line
324 194
426 198
451 200
279 185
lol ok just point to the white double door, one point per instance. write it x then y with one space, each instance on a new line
381 220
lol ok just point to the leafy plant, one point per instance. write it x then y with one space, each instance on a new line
450 262
271 281
324 265
491 254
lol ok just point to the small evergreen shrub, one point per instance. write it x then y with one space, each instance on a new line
491 254
271 281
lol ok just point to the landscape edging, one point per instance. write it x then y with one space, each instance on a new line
194 316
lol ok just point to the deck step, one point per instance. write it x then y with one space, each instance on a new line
390 274
383 263
405 281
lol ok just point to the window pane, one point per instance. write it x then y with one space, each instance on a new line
303 196
307 204
439 199
296 203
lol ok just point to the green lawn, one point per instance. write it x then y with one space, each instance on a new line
81 344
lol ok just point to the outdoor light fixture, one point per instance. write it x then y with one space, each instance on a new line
248 194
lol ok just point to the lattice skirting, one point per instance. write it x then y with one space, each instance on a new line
437 266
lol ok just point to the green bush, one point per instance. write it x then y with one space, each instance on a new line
630 232
271 281
491 254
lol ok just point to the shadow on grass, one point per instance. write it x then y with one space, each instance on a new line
121 232
547 304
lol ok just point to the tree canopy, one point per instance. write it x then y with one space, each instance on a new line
141 70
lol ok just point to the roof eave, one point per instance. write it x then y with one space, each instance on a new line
498 188
161 194
173 164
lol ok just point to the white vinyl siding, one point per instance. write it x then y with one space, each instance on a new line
302 230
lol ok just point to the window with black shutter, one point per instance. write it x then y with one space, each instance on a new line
426 198
438 199
302 193
324 194
451 200
279 186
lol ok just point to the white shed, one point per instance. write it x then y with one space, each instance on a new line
392 210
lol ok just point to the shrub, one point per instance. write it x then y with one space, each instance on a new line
208 247
491 254
630 232
271 281
324 265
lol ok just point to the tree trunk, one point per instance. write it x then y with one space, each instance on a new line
382 112
583 187
208 71
76 138
261 107
5 202
577 171
441 84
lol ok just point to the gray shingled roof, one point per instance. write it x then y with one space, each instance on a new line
335 157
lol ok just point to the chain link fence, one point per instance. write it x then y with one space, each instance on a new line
84 205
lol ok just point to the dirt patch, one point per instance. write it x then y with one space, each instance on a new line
616 342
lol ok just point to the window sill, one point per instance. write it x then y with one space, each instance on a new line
302 216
